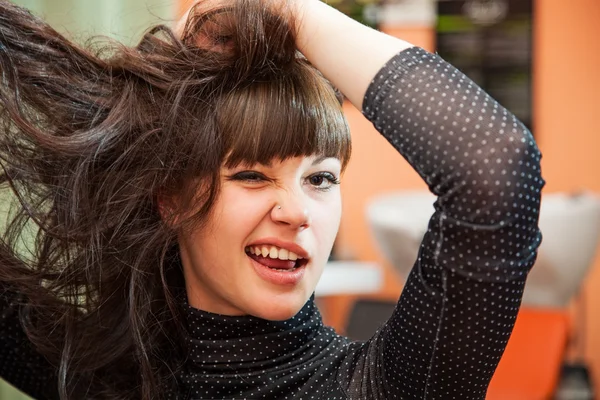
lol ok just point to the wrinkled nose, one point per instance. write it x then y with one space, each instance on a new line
291 210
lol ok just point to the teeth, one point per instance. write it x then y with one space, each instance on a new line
273 252
283 254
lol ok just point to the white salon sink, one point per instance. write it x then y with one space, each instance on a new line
570 226
350 277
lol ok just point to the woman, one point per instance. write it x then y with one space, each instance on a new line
186 197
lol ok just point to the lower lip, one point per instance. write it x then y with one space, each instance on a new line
286 278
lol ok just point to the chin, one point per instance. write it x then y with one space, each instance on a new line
281 309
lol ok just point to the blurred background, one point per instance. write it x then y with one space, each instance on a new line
539 58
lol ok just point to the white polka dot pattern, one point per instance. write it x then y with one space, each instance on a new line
460 301
250 358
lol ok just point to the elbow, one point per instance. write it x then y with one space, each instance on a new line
504 184
515 188
514 166
525 167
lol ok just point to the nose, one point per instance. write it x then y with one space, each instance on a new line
292 211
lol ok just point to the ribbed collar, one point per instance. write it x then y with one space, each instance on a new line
223 343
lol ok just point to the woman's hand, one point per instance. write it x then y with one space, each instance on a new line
348 53
214 25
205 37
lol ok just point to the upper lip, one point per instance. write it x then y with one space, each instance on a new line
290 246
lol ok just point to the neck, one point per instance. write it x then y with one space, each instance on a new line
218 342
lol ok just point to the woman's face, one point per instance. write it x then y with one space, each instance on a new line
267 239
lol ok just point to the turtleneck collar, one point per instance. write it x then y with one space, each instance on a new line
222 343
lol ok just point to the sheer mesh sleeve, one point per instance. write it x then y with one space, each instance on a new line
20 364
457 310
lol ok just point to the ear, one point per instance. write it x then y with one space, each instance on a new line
167 206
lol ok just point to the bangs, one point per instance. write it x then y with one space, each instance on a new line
295 114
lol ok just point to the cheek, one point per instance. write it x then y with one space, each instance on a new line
218 245
326 222
238 213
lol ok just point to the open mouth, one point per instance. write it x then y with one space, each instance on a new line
278 265
276 258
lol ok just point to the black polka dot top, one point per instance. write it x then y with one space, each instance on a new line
459 304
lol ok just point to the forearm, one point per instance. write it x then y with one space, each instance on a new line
348 53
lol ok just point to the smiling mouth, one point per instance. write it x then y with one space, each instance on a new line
275 258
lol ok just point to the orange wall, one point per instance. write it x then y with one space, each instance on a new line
567 118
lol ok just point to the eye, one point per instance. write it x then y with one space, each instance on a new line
249 177
323 180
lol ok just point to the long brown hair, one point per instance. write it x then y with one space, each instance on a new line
91 135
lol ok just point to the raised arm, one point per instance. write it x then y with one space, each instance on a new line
459 304
348 53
